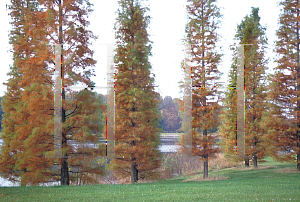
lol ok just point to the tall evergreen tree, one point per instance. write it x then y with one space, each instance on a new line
28 130
227 128
13 148
283 118
249 31
201 32
137 115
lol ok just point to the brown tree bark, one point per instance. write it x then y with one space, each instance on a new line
205 174
134 174
64 163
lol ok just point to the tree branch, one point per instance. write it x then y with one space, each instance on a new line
72 111
72 127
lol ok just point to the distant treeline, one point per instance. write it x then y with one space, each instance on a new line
169 111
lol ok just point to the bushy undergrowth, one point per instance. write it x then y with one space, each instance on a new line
174 164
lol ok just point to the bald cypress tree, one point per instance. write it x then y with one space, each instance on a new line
283 118
137 115
227 128
249 31
201 29
16 117
28 134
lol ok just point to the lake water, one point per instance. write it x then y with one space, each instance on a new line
7 183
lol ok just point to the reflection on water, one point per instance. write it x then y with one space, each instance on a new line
168 148
7 183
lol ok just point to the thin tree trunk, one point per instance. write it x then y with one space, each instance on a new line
64 172
255 160
254 117
246 162
134 170
64 163
134 174
205 174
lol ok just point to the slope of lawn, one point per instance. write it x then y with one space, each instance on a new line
241 185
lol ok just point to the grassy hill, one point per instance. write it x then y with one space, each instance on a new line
273 181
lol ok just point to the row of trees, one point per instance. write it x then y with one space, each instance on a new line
271 101
170 117
28 130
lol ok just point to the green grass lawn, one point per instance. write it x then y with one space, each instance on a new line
241 185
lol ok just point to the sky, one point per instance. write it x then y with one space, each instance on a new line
166 30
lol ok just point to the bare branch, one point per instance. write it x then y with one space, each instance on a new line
72 111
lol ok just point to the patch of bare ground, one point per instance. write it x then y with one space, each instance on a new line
176 164
287 170
127 180
220 162
253 168
210 178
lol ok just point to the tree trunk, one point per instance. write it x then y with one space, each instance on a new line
246 162
255 155
64 172
254 118
134 174
255 160
205 174
134 170
64 164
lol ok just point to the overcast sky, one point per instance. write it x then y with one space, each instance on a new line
166 29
